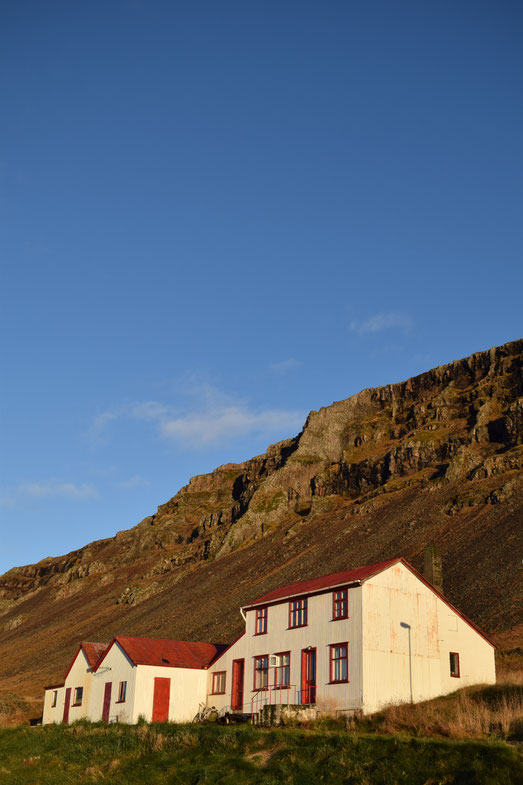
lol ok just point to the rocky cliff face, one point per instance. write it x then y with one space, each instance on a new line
434 459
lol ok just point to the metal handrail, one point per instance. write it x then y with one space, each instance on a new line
263 697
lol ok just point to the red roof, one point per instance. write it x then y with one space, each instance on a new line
177 654
323 582
93 652
326 582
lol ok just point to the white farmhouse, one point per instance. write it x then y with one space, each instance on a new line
354 640
351 641
69 700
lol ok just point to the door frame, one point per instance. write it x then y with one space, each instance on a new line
308 685
67 703
107 701
160 712
238 666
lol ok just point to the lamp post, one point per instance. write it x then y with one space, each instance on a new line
407 627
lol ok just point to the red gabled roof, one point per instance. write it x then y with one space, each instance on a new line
156 651
92 651
323 582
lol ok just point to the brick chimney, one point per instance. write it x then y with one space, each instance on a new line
432 567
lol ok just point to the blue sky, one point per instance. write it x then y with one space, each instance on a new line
216 217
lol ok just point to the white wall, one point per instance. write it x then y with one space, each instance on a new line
406 644
54 714
320 632
476 655
114 668
188 690
79 676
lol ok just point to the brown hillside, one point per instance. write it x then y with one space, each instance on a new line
436 459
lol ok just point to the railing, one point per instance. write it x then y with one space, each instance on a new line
274 696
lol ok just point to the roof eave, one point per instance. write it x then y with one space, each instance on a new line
323 589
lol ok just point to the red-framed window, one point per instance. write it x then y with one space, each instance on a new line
78 696
261 621
218 683
340 604
298 613
282 671
122 692
339 662
261 672
454 664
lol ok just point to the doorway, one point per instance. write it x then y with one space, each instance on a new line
162 693
65 718
308 675
107 701
238 669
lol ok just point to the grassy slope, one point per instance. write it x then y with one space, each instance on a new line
181 755
469 731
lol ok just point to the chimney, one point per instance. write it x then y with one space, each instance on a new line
432 568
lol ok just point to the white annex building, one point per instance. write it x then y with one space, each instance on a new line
351 641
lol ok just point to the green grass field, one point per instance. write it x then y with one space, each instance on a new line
191 754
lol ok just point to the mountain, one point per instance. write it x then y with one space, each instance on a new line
433 460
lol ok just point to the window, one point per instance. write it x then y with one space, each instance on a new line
339 662
261 672
78 695
340 604
54 698
298 613
454 664
122 691
282 672
261 621
218 683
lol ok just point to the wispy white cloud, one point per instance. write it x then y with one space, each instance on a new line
7 501
149 410
286 365
100 423
132 483
55 488
205 416
387 320
229 422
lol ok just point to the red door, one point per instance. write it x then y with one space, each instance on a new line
162 692
238 667
67 703
107 701
308 676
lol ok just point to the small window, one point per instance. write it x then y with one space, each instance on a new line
122 692
54 699
298 613
261 621
339 662
282 672
340 604
454 664
78 695
218 683
261 672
